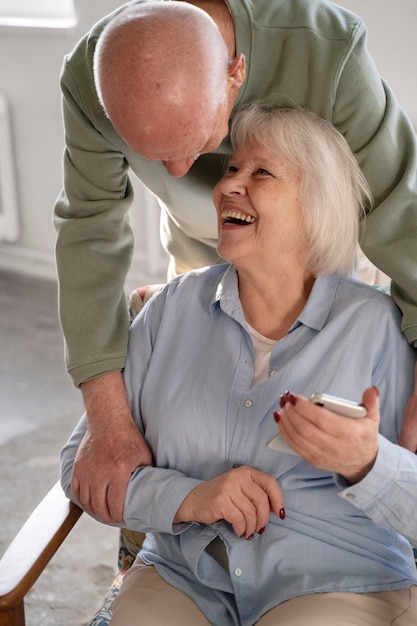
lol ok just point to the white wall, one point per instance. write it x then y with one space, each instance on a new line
29 72
30 65
393 44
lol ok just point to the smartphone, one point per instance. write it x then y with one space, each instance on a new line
337 405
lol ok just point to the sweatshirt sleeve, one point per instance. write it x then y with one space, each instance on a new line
384 141
95 241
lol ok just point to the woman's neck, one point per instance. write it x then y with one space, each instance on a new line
272 304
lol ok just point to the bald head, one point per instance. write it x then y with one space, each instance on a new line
162 75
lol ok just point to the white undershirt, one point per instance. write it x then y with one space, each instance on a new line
262 347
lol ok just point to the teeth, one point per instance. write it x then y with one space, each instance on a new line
236 215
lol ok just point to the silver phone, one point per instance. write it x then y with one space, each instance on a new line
337 405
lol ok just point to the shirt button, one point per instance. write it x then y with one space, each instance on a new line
238 572
248 403
273 372
350 496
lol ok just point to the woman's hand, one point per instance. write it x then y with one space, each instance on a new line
244 497
329 441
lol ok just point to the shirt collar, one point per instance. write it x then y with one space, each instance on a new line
320 302
313 315
227 295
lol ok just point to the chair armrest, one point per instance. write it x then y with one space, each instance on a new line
35 545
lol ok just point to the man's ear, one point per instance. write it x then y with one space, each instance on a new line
237 71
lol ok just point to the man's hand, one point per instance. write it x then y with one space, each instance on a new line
111 450
244 497
333 442
408 434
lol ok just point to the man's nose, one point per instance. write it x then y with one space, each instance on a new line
178 168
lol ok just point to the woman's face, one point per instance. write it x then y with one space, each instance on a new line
258 208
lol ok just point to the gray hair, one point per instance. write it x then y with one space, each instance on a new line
334 192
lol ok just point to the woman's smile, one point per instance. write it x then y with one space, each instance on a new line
234 216
258 209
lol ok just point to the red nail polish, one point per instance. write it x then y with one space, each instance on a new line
292 399
277 416
282 513
283 399
261 530
250 537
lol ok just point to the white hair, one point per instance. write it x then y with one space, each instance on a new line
334 192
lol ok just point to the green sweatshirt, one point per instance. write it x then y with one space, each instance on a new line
308 52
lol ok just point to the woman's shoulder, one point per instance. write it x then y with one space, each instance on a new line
373 298
194 285
363 290
198 278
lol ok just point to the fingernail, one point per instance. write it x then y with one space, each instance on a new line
284 399
277 416
261 530
376 389
250 537
282 513
292 399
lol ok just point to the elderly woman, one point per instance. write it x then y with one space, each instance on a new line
239 533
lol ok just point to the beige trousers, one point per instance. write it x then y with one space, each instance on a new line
145 599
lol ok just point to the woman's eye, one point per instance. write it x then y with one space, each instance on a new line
231 169
262 171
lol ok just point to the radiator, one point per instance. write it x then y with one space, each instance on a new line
9 224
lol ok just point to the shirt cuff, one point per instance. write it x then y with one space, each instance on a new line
384 472
153 497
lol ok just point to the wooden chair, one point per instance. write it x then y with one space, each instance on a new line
30 552
35 545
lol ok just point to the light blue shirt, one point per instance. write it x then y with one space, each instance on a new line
188 377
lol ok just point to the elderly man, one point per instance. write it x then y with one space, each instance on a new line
151 88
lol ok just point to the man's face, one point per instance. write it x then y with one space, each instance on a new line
177 126
178 145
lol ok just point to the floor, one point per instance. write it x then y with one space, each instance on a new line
38 408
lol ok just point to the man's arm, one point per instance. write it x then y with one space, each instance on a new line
385 144
110 451
93 255
95 241
384 141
